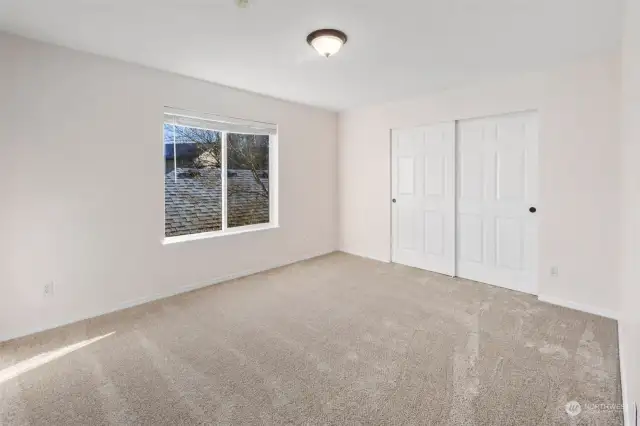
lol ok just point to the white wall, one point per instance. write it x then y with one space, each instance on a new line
82 186
578 106
629 325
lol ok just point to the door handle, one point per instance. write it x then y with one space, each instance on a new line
393 200
533 209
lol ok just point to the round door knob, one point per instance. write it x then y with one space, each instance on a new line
393 200
532 209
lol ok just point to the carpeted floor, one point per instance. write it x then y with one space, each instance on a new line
333 340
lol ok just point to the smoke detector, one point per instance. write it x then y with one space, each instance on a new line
242 3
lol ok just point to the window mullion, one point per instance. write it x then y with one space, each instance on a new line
223 174
175 154
272 180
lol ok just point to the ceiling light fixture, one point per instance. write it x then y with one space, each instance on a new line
326 41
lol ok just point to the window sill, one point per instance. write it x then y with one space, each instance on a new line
217 234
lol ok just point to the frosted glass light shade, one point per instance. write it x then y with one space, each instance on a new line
327 42
327 45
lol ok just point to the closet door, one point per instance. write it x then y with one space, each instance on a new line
423 197
497 195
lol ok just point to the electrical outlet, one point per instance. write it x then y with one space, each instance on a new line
48 290
554 271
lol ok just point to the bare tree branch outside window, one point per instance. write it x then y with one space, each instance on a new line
193 180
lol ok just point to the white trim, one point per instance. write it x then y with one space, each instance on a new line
224 176
603 312
216 122
215 234
365 256
175 154
273 180
627 405
163 295
273 190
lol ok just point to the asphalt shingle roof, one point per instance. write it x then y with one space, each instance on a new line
194 204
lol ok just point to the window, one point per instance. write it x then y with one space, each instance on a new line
219 174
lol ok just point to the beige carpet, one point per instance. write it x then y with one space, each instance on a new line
333 340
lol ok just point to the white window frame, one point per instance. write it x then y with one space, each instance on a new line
273 180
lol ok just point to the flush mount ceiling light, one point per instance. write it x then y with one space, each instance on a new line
327 42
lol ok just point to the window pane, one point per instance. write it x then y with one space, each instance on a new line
168 148
247 179
193 186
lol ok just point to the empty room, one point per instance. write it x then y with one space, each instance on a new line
341 212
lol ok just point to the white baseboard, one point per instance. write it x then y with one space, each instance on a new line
153 297
603 312
366 256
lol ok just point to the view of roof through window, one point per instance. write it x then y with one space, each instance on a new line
197 179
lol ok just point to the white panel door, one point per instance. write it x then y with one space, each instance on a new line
423 197
497 193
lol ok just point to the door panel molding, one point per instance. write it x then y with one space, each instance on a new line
509 177
423 161
462 191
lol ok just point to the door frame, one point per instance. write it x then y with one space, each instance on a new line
536 252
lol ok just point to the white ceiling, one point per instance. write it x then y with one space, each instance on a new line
396 48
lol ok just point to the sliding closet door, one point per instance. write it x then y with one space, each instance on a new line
423 197
497 187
